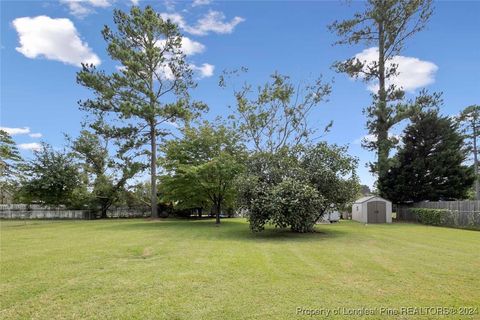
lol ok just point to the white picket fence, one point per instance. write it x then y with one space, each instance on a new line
35 211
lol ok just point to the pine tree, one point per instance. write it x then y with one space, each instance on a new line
430 164
386 24
135 105
9 160
470 124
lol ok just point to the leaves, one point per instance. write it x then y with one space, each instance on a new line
107 175
296 186
429 166
469 120
134 105
9 156
10 160
202 166
387 24
51 177
275 115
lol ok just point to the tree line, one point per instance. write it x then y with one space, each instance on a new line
264 159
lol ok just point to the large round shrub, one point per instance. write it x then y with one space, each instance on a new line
294 187
289 204
295 205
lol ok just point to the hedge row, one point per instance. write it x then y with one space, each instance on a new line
445 217
430 216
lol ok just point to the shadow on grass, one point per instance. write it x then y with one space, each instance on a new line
229 229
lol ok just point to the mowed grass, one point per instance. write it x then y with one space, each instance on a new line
181 269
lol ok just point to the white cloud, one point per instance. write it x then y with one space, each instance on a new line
82 8
35 135
175 18
373 138
213 21
14 131
166 72
368 138
54 39
189 47
197 3
413 73
99 3
204 71
172 123
135 2
169 4
30 146
77 9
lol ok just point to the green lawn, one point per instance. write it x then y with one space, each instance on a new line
179 269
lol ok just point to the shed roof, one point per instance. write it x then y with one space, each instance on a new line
367 198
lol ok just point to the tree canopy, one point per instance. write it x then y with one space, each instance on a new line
387 24
201 167
276 114
136 105
107 175
9 160
429 165
295 187
469 121
51 177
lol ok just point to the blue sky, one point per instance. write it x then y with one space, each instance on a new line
39 94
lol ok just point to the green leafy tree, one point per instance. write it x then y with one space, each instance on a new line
332 171
9 160
52 178
470 125
386 24
140 194
136 104
201 167
365 190
429 165
276 186
107 175
276 114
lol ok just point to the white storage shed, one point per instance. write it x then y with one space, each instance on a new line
372 209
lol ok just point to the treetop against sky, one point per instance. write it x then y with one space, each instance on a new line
44 43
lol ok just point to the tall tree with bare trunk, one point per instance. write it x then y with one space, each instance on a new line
386 24
136 105
470 123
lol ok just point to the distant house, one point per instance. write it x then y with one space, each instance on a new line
372 209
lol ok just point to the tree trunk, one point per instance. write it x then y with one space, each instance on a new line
153 172
475 161
103 214
382 126
104 206
218 208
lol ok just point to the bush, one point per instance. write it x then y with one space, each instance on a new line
294 187
295 205
257 202
429 216
290 204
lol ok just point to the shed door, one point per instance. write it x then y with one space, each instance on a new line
376 212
